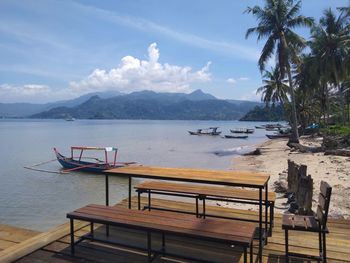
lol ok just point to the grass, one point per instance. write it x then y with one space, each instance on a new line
337 130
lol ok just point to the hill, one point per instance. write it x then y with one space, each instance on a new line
259 113
151 105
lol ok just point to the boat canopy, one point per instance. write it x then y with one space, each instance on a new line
88 148
107 149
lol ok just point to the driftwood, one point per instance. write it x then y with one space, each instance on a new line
301 185
257 151
306 149
339 152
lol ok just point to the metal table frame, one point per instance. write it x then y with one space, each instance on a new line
202 181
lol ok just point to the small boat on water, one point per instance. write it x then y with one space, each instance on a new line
242 130
277 136
236 136
208 131
98 166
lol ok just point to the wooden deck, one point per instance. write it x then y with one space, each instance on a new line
338 247
10 236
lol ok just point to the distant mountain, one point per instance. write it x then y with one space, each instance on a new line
151 105
273 113
20 110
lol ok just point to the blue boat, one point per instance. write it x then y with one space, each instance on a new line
98 166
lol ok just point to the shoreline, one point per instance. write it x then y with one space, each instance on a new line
333 169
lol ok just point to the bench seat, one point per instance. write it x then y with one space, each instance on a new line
230 232
205 192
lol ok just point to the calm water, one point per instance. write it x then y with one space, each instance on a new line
40 200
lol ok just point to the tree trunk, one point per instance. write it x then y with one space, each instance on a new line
294 138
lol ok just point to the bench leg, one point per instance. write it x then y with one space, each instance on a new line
197 210
203 207
245 254
139 200
92 230
286 245
324 249
251 253
149 247
320 244
72 251
272 207
163 244
149 200
130 185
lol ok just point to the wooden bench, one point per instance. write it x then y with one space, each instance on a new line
203 193
230 232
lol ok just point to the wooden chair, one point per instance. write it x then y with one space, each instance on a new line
316 224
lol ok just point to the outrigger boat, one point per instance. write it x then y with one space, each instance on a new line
208 131
74 163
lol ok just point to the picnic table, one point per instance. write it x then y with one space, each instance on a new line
254 180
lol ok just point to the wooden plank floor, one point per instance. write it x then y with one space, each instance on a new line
11 235
338 247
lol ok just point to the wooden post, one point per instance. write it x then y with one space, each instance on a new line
301 185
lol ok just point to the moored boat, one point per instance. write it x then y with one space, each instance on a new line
277 136
236 136
242 130
208 131
78 164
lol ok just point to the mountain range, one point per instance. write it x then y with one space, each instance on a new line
136 105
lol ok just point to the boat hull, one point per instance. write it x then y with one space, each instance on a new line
70 164
236 137
277 136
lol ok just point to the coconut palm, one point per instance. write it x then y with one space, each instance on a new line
330 48
275 89
276 21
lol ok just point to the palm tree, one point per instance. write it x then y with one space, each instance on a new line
276 22
275 88
330 48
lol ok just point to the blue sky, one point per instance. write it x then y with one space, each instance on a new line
52 50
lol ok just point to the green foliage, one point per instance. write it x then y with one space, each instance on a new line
273 113
337 130
152 108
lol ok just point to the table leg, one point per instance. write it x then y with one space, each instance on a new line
72 236
266 212
130 192
260 225
107 199
107 190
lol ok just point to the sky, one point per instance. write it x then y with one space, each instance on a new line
60 49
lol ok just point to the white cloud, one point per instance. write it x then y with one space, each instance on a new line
243 78
134 74
231 81
32 93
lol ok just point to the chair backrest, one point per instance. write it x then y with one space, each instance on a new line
323 203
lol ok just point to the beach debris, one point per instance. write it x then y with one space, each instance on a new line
293 207
257 151
280 186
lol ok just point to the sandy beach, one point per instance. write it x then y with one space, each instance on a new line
333 169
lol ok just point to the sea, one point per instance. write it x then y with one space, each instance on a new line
40 200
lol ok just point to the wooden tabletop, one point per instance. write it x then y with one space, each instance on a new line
219 177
